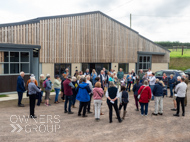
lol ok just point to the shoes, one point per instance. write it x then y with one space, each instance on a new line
48 104
111 121
65 111
183 114
101 113
97 119
70 112
21 105
85 116
120 121
176 115
154 114
160 113
74 106
171 97
79 114
89 112
173 109
137 109
33 116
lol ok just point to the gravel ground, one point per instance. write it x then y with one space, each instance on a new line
54 125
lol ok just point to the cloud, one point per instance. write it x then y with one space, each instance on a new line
156 28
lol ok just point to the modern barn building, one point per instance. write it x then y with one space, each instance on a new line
77 41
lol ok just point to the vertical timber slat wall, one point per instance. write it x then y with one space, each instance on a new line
81 38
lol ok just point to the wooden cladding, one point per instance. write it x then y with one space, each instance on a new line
20 34
1 57
93 38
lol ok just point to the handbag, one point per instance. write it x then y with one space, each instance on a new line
99 94
139 95
27 94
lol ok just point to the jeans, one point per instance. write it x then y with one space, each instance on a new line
42 94
32 100
144 111
158 104
171 90
136 101
82 106
93 82
128 85
57 90
89 103
180 100
141 81
74 99
97 105
20 94
152 87
39 97
70 99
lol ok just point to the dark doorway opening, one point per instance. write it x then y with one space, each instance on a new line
97 66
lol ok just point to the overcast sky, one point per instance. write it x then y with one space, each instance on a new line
158 20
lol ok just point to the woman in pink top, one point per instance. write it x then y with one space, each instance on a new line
97 95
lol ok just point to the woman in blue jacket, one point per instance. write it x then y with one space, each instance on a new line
171 84
83 96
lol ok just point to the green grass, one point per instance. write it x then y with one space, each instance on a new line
1 96
179 63
177 54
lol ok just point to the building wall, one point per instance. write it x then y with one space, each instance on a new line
73 67
48 68
80 38
114 66
131 66
159 66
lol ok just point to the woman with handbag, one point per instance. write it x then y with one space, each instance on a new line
136 88
144 97
123 101
97 96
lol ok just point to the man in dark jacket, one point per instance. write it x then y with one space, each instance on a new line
20 88
158 98
68 85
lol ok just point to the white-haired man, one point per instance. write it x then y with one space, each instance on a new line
181 91
90 86
175 94
141 74
32 91
102 79
20 88
87 72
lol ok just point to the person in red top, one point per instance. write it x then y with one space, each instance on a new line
68 86
145 97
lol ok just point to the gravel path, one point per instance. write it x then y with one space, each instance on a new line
54 125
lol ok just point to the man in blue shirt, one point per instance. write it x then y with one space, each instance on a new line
20 88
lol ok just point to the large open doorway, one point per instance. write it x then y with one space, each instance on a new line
97 66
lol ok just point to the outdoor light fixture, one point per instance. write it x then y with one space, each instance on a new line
76 67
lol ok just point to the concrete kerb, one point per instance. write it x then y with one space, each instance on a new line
15 96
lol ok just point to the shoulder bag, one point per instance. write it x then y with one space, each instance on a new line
139 95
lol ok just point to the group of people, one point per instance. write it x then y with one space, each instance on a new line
83 87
